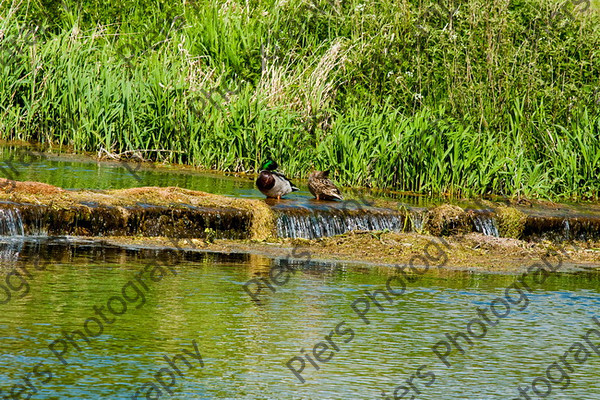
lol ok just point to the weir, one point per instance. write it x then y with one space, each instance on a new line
312 223
35 209
561 228
12 233
181 221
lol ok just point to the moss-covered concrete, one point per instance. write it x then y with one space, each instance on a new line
148 211
448 219
182 213
473 251
511 222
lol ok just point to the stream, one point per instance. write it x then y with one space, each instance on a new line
81 319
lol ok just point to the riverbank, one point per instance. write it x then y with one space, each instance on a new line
482 98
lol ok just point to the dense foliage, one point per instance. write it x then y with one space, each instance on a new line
470 97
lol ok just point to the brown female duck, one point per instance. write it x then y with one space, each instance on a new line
323 188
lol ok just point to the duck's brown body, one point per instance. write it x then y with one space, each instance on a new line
323 188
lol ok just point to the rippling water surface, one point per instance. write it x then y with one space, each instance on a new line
199 298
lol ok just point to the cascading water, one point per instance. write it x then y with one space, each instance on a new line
11 223
486 224
11 228
311 223
418 218
567 229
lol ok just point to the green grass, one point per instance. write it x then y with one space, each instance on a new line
498 98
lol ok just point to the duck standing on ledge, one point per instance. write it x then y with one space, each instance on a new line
273 184
323 188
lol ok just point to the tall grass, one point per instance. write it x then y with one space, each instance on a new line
480 98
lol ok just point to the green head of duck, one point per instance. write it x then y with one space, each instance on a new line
269 165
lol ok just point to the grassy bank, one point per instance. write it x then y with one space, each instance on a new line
480 97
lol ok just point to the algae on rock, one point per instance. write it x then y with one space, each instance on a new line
448 220
149 211
511 222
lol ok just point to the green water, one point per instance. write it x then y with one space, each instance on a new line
83 172
185 299
245 346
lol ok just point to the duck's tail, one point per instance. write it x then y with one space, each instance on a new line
294 188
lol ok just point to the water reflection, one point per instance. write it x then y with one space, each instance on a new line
245 346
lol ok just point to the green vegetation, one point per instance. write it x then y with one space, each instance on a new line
487 97
511 222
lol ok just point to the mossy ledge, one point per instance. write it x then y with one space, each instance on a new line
182 213
144 211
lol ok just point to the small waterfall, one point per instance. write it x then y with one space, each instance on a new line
486 224
567 229
300 222
417 217
35 221
11 229
11 223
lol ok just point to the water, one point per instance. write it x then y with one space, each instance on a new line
334 219
10 222
300 215
322 220
485 224
82 172
183 301
245 346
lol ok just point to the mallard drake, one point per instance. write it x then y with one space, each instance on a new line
273 184
322 188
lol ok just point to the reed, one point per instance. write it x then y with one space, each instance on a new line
471 98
